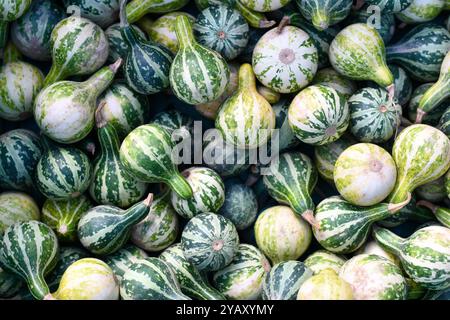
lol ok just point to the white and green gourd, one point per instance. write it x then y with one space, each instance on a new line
437 117
118 47
330 77
325 285
121 260
137 9
390 6
372 247
383 21
175 121
420 11
10 11
324 13
101 12
264 5
17 207
322 259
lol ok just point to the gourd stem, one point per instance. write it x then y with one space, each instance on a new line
253 176
137 212
3 33
388 240
434 96
394 207
55 74
247 79
183 29
283 23
180 186
11 54
254 19
321 20
100 121
100 80
308 215
49 297
429 205
419 116
123 14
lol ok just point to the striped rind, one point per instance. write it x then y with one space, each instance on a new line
16 207
322 259
118 47
174 120
332 78
326 285
121 260
324 13
12 10
436 116
264 5
101 12
390 6
420 11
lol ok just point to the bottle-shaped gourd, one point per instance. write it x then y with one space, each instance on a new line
65 110
10 11
136 9
198 74
324 13
246 119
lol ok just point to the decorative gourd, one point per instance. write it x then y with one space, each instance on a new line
198 74
16 207
10 284
284 134
88 145
372 247
323 13
63 216
403 85
422 154
65 110
246 119
209 241
421 11
192 283
105 229
173 120
330 77
20 83
343 227
319 115
118 47
415 291
425 255
325 285
291 179
322 259
374 278
255 19
390 6
444 122
121 260
102 12
264 5
284 280
285 59
281 234
385 23
421 51
433 191
138 8
270 95
203 4
150 279
79 47
442 214
11 10
433 118
30 250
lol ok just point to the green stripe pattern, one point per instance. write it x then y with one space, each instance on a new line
322 259
330 77
421 11
122 260
101 12
324 13
16 207
118 47
264 5
10 284
390 6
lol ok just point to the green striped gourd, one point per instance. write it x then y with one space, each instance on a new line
31 32
105 229
147 154
322 259
198 74
254 18
330 77
88 145
285 58
222 29
203 4
421 51
420 11
20 83
208 193
433 191
325 285
136 9
63 216
390 6
150 279
438 93
281 234
444 122
192 283
324 13
264 5
243 278
372 247
319 115
286 137
385 23
101 12
63 173
365 174
374 278
147 63
118 47
209 241
30 250
291 179
284 280
442 214
16 207
325 156
343 227
422 154
403 84
159 229
433 118
10 11
358 53
64 111
20 151
174 120
88 279
425 255
120 261
10 284
246 119
79 47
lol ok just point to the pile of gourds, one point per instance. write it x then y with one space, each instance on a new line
353 102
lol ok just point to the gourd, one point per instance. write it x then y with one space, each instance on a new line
372 247
209 241
63 216
325 285
255 19
284 134
331 78
192 283
11 10
365 174
285 58
105 229
290 179
198 74
425 255
147 64
20 83
174 120
146 154
79 47
246 119
374 278
385 23
118 47
101 12
281 234
442 214
318 115
403 84
444 121
284 280
436 117
421 11
16 207
208 193
433 191
322 259
263 5
138 8
121 260
150 279
390 6
343 227
270 95
322 13
30 250
10 284
65 110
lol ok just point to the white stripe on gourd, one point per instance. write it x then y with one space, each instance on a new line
118 47
264 5
324 13
120 261
10 11
101 12
16 207
136 9
332 78
421 11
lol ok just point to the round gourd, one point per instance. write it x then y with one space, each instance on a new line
174 120
102 12
118 47
16 207
322 259
10 12
421 11
332 78
391 6
325 285
264 5
121 260
323 13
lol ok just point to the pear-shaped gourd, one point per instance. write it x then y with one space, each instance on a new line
79 47
121 260
30 250
425 255
325 285
324 13
136 9
147 154
198 74
441 213
65 110
246 119
118 47
105 229
20 83
10 11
